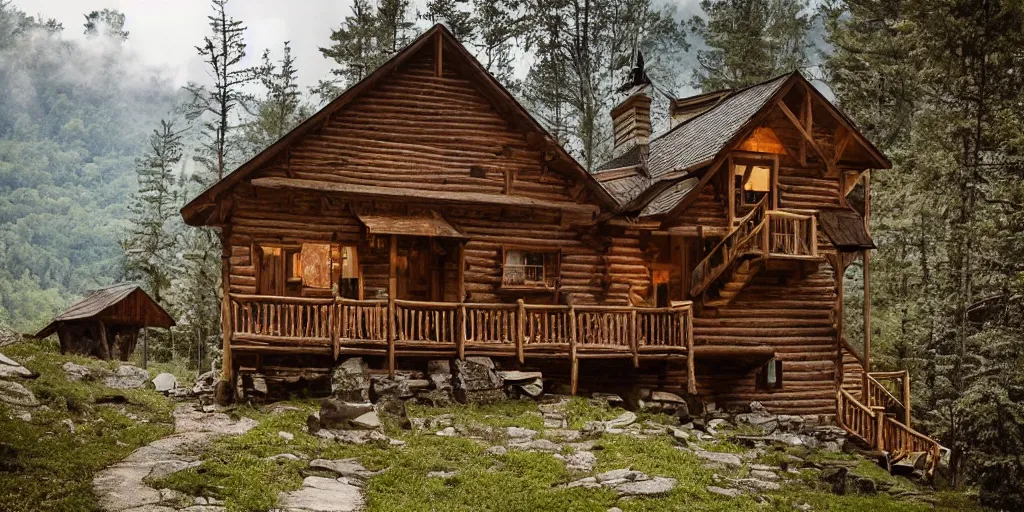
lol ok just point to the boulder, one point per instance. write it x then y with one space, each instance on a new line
624 419
367 421
533 388
439 372
476 374
10 369
338 414
725 491
14 394
77 372
653 487
165 382
515 376
726 459
127 377
319 494
350 380
835 476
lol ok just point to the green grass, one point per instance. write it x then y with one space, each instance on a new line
57 465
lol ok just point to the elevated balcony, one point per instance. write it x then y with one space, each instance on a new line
761 238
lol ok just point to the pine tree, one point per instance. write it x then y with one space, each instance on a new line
356 47
279 110
150 242
216 107
460 22
750 41
108 22
583 54
395 27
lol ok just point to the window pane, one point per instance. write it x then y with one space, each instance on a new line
759 180
316 265
349 262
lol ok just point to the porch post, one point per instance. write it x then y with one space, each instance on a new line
227 364
392 291
867 285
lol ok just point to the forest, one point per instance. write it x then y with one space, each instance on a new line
98 153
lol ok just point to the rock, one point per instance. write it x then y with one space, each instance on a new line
624 419
439 371
347 468
441 474
447 432
554 420
76 372
803 507
724 491
284 456
287 436
519 432
653 487
12 393
727 459
127 377
836 477
757 485
393 408
259 385
368 421
620 474
587 483
417 384
313 423
681 436
761 474
614 509
165 382
665 396
350 381
23 416
10 369
532 389
319 494
538 445
582 461
496 450
475 381
515 376
339 414
205 382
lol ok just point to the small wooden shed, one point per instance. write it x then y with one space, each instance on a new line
106 323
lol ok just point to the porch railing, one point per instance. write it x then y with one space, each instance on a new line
764 232
402 327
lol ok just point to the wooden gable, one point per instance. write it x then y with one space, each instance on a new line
431 119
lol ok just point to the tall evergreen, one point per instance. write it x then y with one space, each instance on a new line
749 41
280 109
583 53
367 38
150 242
216 106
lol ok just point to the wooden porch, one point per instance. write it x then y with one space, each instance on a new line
404 328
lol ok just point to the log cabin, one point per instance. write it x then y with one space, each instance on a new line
425 213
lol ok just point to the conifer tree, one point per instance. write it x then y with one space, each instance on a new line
280 109
750 41
150 242
366 39
108 22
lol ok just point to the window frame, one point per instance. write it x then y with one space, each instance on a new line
295 278
742 160
550 268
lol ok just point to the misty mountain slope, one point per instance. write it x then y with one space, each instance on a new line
74 115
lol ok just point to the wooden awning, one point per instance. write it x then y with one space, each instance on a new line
431 224
845 228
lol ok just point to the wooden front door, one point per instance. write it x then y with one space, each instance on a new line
419 270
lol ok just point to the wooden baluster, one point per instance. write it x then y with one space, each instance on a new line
520 329
691 372
575 368
879 420
391 334
460 339
634 341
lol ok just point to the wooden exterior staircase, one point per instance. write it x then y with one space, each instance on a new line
758 239
882 420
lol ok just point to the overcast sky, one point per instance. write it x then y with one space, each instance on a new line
164 33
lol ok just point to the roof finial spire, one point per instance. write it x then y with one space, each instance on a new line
637 75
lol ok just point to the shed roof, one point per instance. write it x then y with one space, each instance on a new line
845 228
101 303
431 224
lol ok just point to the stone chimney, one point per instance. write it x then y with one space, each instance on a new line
631 121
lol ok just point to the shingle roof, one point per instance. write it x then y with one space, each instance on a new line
686 146
99 300
701 138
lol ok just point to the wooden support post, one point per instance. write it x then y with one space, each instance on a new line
460 340
392 291
906 398
837 320
634 339
145 348
520 330
575 369
879 441
730 183
867 320
691 363
226 329
462 272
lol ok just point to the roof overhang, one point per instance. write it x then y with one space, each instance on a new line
430 225
845 228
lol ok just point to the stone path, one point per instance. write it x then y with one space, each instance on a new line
121 487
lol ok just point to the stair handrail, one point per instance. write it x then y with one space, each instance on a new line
708 269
